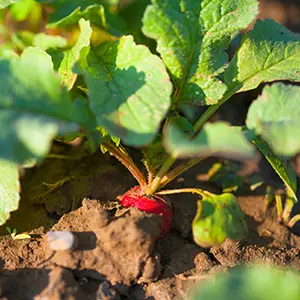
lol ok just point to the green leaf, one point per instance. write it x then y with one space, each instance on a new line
9 189
269 52
72 56
217 139
254 283
281 166
69 12
192 37
134 86
21 10
218 217
33 106
275 117
92 12
4 3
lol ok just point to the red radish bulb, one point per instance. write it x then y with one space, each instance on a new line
151 204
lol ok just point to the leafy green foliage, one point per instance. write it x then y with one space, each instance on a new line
214 139
72 56
9 189
4 3
98 12
21 10
275 117
254 283
32 104
269 52
192 37
134 87
225 175
218 217
26 10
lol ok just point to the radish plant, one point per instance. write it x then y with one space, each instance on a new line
129 74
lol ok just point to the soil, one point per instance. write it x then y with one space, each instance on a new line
117 254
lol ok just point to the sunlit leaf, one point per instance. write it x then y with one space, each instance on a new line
214 139
269 52
218 217
192 37
134 86
9 189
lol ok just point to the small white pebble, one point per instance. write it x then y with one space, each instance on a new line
61 240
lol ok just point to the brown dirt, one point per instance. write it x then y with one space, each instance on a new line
118 255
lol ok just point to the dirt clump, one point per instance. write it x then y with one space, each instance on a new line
119 249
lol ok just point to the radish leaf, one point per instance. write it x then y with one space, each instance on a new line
275 117
214 139
9 189
134 86
218 217
192 37
269 52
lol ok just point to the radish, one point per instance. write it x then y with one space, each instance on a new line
151 204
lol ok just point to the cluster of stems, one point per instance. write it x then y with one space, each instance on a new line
164 174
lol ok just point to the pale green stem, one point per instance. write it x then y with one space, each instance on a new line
179 170
185 190
289 203
269 197
293 221
153 187
126 162
212 109
279 206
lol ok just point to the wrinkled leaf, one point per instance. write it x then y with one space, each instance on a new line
134 86
254 283
214 139
275 117
269 52
218 217
33 106
281 166
192 37
72 56
9 189
4 3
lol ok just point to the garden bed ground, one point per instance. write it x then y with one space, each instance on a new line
117 256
